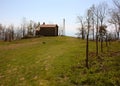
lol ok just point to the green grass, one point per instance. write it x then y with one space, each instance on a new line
57 61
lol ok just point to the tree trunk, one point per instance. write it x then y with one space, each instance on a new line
96 45
87 46
93 34
82 34
93 29
23 32
107 43
118 32
102 45
97 39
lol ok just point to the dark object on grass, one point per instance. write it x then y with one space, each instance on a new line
43 42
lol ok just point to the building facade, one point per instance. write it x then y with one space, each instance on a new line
47 30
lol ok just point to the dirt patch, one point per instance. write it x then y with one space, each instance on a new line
113 54
14 46
92 54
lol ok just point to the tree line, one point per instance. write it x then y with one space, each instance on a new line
25 30
101 18
95 24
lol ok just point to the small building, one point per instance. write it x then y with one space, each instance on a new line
47 30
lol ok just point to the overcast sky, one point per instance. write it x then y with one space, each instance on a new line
49 11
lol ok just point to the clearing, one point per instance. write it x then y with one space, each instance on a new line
57 61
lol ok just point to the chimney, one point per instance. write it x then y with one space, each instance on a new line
43 23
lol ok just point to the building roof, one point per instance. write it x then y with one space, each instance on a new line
49 25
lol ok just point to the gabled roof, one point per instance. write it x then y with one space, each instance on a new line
49 25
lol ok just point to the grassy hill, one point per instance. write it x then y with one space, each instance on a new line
57 61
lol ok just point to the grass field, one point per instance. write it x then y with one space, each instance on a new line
57 61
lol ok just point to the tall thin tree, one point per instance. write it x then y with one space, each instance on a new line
82 27
88 20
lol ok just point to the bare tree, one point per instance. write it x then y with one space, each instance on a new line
93 20
97 27
88 20
82 27
12 31
2 32
37 29
115 19
19 33
117 3
1 28
34 29
102 11
30 28
9 33
24 26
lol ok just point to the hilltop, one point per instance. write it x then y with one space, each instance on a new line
57 61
